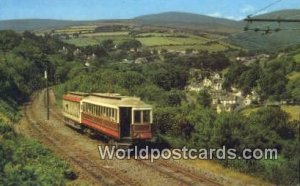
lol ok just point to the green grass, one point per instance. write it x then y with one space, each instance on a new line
112 34
292 110
248 111
95 40
293 75
163 39
159 41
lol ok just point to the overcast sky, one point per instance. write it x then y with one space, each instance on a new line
122 9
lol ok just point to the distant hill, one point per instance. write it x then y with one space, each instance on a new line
38 24
234 29
273 41
189 20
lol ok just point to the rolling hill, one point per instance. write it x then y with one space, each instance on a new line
274 40
189 20
36 24
46 24
233 29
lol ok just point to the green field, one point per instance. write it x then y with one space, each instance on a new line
109 34
95 40
157 39
169 41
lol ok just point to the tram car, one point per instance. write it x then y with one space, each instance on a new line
119 118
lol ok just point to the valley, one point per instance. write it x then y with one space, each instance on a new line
211 84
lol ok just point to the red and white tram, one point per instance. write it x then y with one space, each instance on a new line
118 117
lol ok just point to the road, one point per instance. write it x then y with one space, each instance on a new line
81 152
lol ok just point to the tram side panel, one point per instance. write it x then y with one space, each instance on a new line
103 119
72 111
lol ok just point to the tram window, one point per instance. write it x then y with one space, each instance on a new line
66 107
105 111
146 116
137 116
109 112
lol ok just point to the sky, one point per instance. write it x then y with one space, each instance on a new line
124 9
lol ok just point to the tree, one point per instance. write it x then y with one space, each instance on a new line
229 130
272 84
131 79
174 97
170 76
108 44
233 75
202 120
293 89
8 40
204 98
130 44
248 79
274 119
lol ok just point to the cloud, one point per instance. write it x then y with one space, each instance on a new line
247 9
237 18
215 14
219 15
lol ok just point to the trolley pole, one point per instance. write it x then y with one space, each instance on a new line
47 95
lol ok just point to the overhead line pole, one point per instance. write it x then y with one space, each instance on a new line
249 19
47 96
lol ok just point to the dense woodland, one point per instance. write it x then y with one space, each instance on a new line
178 121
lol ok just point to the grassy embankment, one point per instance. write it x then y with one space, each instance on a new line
24 161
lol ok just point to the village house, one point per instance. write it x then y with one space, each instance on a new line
141 60
64 50
77 52
225 108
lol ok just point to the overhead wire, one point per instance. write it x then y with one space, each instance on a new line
266 27
266 7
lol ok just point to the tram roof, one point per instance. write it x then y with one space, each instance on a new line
115 100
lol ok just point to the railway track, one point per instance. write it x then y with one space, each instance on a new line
99 174
184 176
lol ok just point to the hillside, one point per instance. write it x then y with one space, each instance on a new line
46 24
36 24
186 22
273 41
189 20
